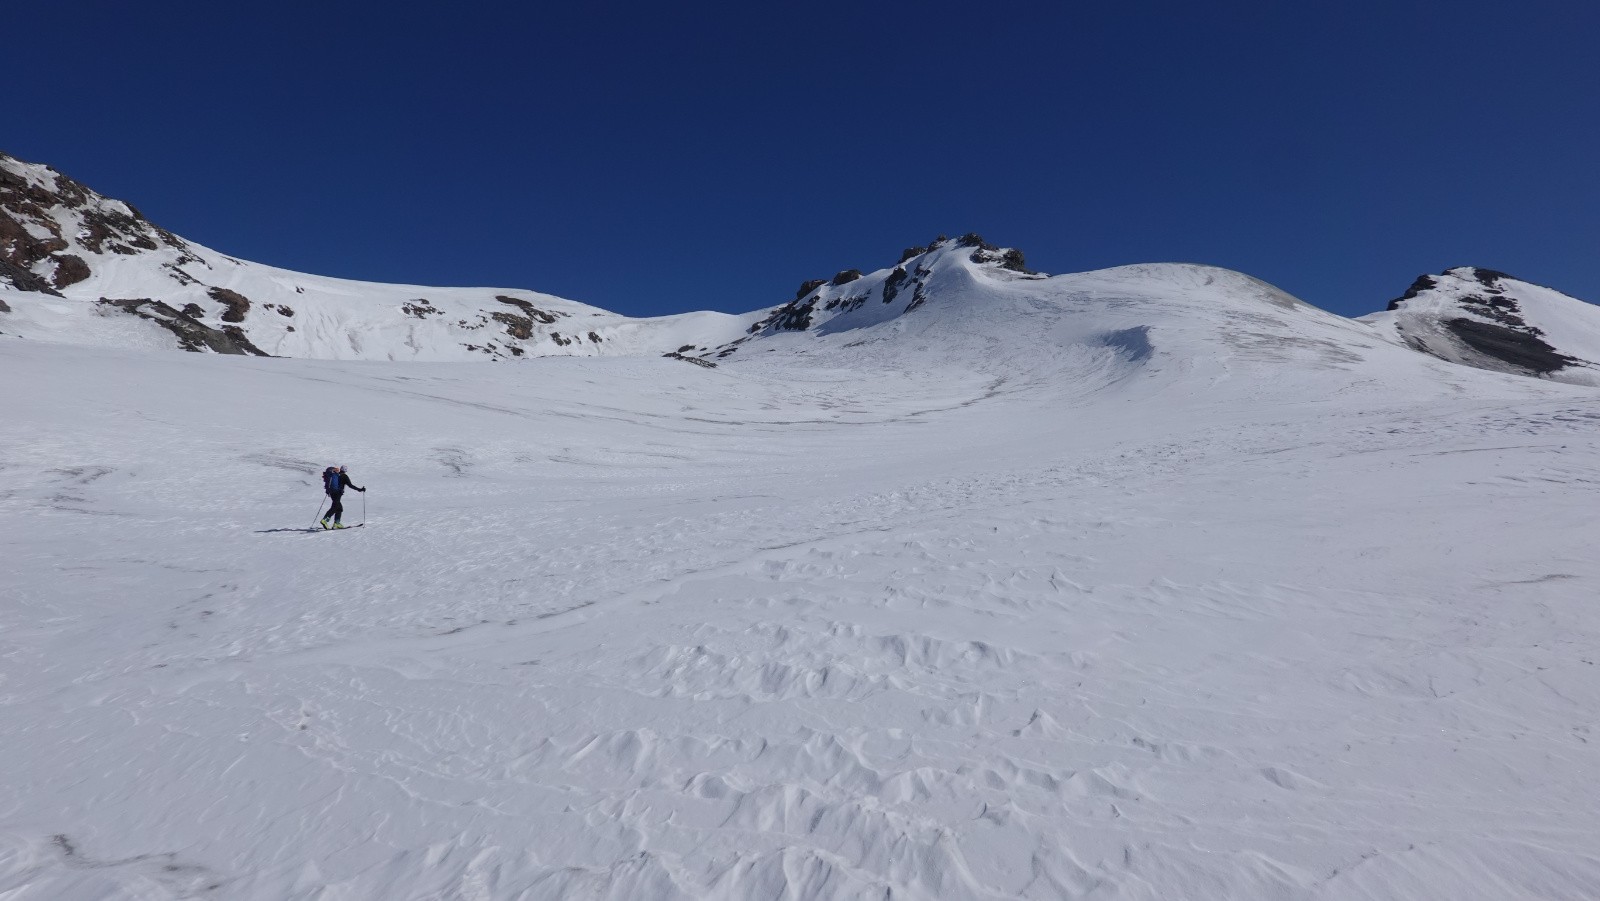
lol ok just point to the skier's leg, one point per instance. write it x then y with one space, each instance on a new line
337 511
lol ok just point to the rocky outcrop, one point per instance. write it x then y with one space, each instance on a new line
234 304
1490 320
34 204
533 313
676 355
1524 348
520 327
1006 258
837 302
21 279
807 287
193 335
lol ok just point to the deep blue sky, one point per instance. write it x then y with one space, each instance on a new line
660 157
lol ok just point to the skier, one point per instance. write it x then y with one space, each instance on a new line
334 481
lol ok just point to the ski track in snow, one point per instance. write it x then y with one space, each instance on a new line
1128 624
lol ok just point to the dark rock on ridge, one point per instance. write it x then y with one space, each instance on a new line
1523 348
1008 258
106 227
21 279
70 270
520 327
235 305
892 284
695 360
529 310
192 334
1423 283
809 286
1506 337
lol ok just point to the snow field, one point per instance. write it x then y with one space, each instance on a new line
1142 602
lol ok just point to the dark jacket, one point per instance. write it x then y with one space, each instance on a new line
343 483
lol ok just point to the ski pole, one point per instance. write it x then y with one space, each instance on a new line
363 508
319 516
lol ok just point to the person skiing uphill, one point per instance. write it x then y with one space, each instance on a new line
334 481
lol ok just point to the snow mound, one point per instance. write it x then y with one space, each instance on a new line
1487 319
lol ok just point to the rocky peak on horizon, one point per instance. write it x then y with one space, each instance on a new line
52 225
852 300
1491 320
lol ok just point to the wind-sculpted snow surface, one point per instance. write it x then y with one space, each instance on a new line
1149 583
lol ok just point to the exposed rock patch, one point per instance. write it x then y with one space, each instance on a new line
896 280
21 279
1475 316
919 294
1524 348
31 230
1007 258
695 360
528 309
70 270
795 317
235 305
807 287
421 308
110 231
192 334
178 275
1423 283
520 327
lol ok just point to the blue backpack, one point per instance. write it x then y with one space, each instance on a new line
331 481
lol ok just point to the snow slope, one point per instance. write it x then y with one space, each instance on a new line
1148 583
1487 319
80 268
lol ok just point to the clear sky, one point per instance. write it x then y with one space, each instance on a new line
660 157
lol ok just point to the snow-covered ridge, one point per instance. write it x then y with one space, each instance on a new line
1487 319
85 269
79 268
850 300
